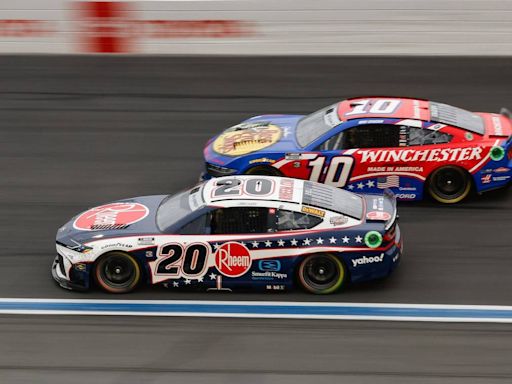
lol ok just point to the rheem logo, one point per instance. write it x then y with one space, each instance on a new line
233 259
111 216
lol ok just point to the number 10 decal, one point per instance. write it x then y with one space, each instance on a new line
337 171
381 106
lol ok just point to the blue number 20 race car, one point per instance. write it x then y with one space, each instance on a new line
267 233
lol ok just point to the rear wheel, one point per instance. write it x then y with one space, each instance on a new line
117 272
264 171
449 184
321 273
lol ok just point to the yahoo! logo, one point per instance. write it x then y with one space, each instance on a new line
367 260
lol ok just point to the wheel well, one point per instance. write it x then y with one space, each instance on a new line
469 176
427 180
263 168
337 255
93 269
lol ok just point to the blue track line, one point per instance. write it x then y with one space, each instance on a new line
401 312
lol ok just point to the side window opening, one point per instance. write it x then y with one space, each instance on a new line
249 220
383 135
332 144
240 220
420 136
372 136
199 226
290 220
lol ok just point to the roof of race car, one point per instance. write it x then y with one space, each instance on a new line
409 108
390 107
282 189
253 188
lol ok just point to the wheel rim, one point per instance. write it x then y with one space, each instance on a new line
321 273
449 185
118 272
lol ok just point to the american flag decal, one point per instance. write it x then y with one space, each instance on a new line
388 182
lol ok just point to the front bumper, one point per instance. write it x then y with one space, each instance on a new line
213 170
204 176
60 276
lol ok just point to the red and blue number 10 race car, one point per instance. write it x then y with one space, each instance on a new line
411 146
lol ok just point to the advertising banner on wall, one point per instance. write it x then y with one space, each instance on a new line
252 27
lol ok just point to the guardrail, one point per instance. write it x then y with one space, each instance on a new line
258 27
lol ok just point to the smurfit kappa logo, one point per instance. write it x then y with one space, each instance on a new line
367 260
269 265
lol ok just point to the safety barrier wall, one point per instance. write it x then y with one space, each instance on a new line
258 27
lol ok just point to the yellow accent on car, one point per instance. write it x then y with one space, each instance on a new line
242 142
313 211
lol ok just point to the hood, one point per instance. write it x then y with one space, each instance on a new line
268 133
119 218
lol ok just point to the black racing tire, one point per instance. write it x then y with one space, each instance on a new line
263 170
322 273
117 272
449 185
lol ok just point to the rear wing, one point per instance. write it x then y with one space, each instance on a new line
391 198
505 112
382 207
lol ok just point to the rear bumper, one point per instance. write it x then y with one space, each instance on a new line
494 176
378 264
510 172
213 170
396 251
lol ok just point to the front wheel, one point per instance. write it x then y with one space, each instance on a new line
117 272
321 273
449 184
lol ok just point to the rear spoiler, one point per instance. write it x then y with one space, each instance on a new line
392 198
389 193
389 214
505 112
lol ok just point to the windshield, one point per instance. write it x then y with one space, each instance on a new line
333 199
316 125
175 208
446 114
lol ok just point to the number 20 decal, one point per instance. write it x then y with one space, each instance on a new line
237 187
191 261
337 171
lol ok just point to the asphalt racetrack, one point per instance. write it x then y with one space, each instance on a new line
80 131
